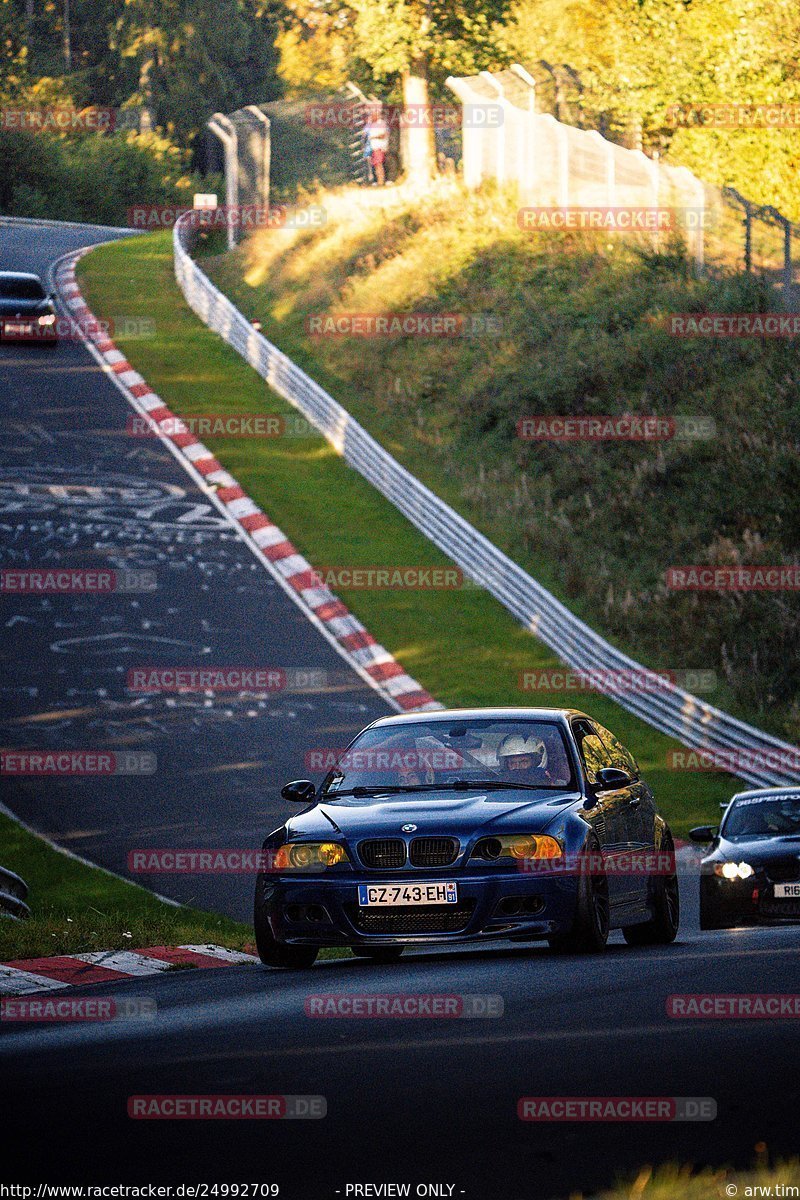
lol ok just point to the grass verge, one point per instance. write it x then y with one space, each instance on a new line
77 908
460 644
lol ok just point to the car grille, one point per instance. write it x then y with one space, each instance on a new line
433 919
783 870
383 853
433 851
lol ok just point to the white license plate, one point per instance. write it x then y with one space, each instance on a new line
406 894
17 329
787 891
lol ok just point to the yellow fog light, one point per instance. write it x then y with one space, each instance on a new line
547 847
305 856
331 853
522 847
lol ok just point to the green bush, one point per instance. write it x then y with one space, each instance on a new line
93 178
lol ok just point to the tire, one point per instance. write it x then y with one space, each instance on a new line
272 952
662 928
589 932
378 954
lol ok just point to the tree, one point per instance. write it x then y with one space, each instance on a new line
638 59
420 42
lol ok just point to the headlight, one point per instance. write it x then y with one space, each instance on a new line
309 856
50 319
518 846
729 870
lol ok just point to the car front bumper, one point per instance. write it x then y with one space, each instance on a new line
747 901
326 912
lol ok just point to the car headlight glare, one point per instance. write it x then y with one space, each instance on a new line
49 319
304 856
731 870
518 846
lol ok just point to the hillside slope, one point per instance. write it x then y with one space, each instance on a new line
566 324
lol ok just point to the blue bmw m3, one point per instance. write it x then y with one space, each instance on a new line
465 826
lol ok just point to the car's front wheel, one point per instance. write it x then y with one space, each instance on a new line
378 954
589 932
272 952
662 928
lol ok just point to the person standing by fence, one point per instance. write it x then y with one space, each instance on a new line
377 134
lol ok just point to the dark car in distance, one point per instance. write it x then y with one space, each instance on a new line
27 312
751 873
464 826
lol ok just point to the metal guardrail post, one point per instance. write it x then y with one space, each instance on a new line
787 272
731 194
265 155
224 129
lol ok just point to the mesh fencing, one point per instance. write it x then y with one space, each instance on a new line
555 165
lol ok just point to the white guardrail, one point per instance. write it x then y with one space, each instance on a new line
748 753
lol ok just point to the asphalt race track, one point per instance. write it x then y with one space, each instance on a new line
416 1101
79 491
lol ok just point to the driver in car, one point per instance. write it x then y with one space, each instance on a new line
524 754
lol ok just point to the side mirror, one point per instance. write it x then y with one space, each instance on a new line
300 791
703 833
609 778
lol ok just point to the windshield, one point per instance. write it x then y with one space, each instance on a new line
424 755
763 815
21 289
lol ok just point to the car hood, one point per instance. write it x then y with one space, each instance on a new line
24 308
443 812
757 849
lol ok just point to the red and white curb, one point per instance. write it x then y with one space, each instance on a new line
22 977
359 648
